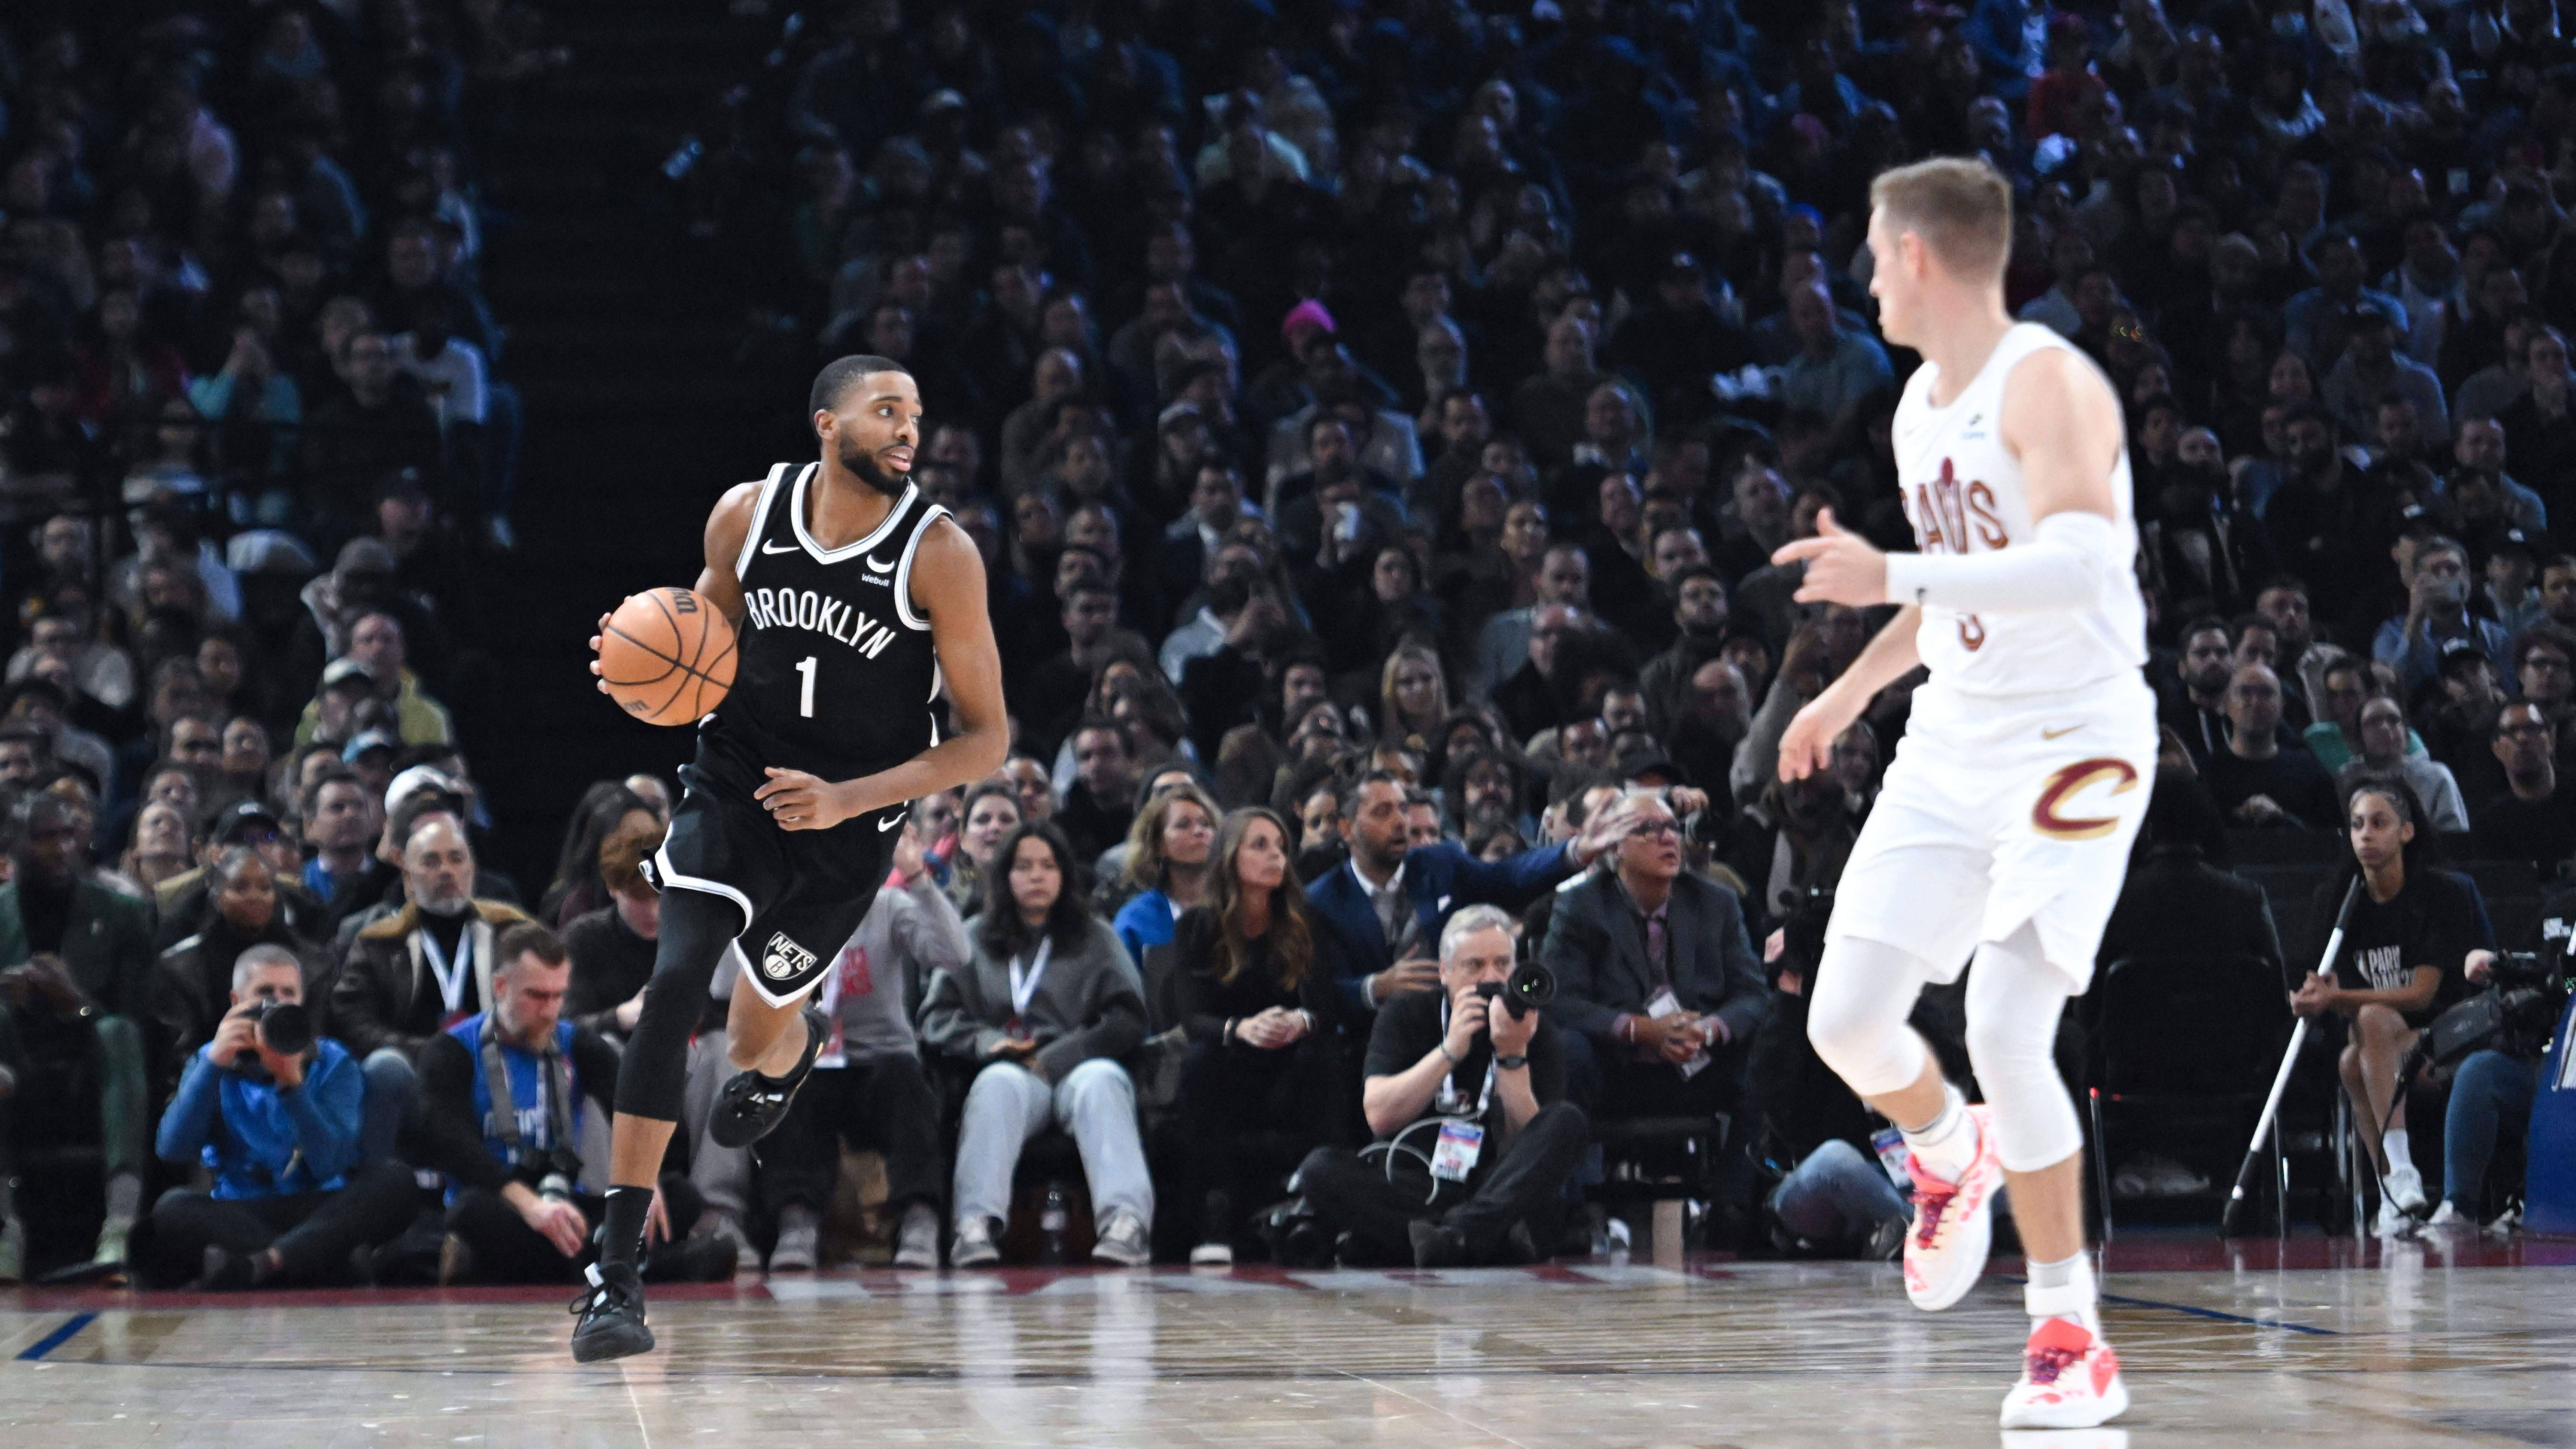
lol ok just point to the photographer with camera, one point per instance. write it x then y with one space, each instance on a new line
274 1112
2496 1083
1466 1093
502 1099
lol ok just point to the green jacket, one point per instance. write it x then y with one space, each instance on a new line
107 943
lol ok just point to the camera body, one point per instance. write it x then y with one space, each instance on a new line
284 1027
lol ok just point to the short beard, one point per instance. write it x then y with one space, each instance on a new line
447 908
863 466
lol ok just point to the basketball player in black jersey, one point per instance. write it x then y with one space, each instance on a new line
854 599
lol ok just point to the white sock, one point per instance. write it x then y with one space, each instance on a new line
2393 1142
1944 1147
2064 1289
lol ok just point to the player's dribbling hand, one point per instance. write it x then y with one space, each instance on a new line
799 801
1842 566
1807 745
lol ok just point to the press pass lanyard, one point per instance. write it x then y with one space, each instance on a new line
451 978
1450 1102
1024 987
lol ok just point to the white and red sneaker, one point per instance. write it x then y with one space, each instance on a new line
2070 1379
1953 1225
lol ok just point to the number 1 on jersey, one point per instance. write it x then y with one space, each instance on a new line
805 696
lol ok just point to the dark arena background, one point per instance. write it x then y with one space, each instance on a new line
1377 419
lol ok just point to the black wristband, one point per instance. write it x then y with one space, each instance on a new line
1511 1064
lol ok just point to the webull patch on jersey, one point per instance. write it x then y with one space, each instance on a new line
783 958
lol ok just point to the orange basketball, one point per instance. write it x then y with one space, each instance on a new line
667 656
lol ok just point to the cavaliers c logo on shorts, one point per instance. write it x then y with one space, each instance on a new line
2076 777
784 958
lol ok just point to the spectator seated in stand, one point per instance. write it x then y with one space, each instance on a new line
2534 817
2384 733
2257 780
73 960
1247 986
1376 915
1040 1017
277 1123
504 1091
1658 993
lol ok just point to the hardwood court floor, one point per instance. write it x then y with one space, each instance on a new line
2224 1345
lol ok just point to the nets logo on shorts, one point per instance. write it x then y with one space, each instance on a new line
784 958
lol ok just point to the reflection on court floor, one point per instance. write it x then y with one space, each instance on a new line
2222 1348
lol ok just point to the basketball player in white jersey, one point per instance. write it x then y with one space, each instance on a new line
2004 828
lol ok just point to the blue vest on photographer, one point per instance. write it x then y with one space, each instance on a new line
544 1116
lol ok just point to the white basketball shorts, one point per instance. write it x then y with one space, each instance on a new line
2001 810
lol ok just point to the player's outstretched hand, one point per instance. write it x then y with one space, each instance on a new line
1842 566
602 684
799 801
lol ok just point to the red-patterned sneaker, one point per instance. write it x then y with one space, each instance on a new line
2070 1379
1953 1225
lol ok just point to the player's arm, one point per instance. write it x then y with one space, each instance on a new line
2062 423
1807 745
948 587
728 527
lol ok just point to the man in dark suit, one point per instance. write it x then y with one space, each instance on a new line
1657 988
1381 912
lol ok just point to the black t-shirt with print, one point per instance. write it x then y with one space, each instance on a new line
1411 1025
2434 921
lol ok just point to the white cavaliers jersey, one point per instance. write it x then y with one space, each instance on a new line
1963 492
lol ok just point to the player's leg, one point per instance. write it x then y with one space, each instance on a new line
761 1035
1856 1019
2070 1377
651 1077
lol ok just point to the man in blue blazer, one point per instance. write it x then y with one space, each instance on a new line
1381 911
1657 988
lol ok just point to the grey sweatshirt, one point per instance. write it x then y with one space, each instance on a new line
1088 1004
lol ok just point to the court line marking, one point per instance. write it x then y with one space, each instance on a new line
35 1352
2223 1317
637 1402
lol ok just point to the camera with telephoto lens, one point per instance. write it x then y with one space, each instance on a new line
1529 987
284 1027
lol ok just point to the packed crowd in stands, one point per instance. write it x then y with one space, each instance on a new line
1377 422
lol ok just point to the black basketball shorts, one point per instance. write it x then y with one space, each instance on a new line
802 892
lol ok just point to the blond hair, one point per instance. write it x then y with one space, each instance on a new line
1961 207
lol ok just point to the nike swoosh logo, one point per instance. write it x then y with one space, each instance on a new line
881 567
885 825
769 547
2059 734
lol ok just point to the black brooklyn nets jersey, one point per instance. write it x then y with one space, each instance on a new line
836 671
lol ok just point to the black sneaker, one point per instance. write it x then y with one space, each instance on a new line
1436 1245
751 1106
612 1316
700 1258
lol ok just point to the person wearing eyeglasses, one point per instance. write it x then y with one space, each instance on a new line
1658 990
2532 818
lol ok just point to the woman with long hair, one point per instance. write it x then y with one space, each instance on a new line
2404 948
577 889
1041 1016
991 811
1413 697
1167 865
1259 1009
